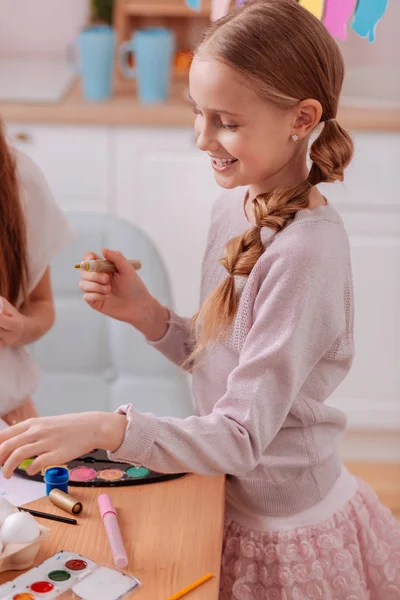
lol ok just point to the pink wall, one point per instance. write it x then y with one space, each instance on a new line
39 27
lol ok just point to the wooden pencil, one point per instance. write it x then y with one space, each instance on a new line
191 587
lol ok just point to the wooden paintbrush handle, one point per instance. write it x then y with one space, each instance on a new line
104 266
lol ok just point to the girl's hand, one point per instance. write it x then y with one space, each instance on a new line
57 440
12 324
123 296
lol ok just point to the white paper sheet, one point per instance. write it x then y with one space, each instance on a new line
19 490
105 584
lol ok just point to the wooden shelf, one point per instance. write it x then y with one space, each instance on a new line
187 24
165 9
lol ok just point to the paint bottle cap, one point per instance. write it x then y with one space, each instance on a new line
65 501
56 475
105 505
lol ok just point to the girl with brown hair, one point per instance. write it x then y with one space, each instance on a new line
274 335
32 230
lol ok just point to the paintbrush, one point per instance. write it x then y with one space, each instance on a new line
42 515
104 266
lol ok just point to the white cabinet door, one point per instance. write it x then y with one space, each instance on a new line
75 161
166 186
369 204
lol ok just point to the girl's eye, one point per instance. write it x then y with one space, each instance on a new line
230 127
196 111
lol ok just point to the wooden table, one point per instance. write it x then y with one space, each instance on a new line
172 532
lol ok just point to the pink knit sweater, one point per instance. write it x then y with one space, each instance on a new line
261 416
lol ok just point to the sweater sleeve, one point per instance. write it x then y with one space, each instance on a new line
177 343
294 324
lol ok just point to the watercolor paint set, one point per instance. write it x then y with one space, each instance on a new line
68 575
97 470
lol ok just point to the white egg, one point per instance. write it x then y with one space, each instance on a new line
19 528
6 508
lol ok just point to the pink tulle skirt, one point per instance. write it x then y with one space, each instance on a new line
354 555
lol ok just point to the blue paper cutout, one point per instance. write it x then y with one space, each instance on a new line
368 14
193 4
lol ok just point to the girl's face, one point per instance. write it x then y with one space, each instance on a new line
248 140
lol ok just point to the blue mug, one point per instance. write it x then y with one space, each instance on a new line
153 50
95 47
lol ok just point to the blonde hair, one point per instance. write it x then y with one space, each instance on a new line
288 56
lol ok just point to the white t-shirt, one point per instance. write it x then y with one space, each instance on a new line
47 231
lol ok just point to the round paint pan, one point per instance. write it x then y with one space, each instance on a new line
82 474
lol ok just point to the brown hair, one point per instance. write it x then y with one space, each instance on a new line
288 56
13 259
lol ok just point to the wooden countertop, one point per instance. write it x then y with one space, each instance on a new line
172 532
124 109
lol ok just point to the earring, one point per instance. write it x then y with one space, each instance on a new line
295 137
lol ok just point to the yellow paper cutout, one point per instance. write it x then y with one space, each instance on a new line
316 7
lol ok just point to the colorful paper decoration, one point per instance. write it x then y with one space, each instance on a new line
336 16
194 4
368 14
316 7
219 8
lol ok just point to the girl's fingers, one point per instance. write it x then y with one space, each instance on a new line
41 462
8 435
121 263
8 447
7 323
20 454
91 297
95 277
95 288
91 256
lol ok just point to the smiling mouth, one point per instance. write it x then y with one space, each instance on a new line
220 164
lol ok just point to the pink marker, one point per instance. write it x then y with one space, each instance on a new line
109 516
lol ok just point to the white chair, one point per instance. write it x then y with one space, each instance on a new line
92 362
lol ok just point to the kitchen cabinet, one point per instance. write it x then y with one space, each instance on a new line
75 160
369 204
